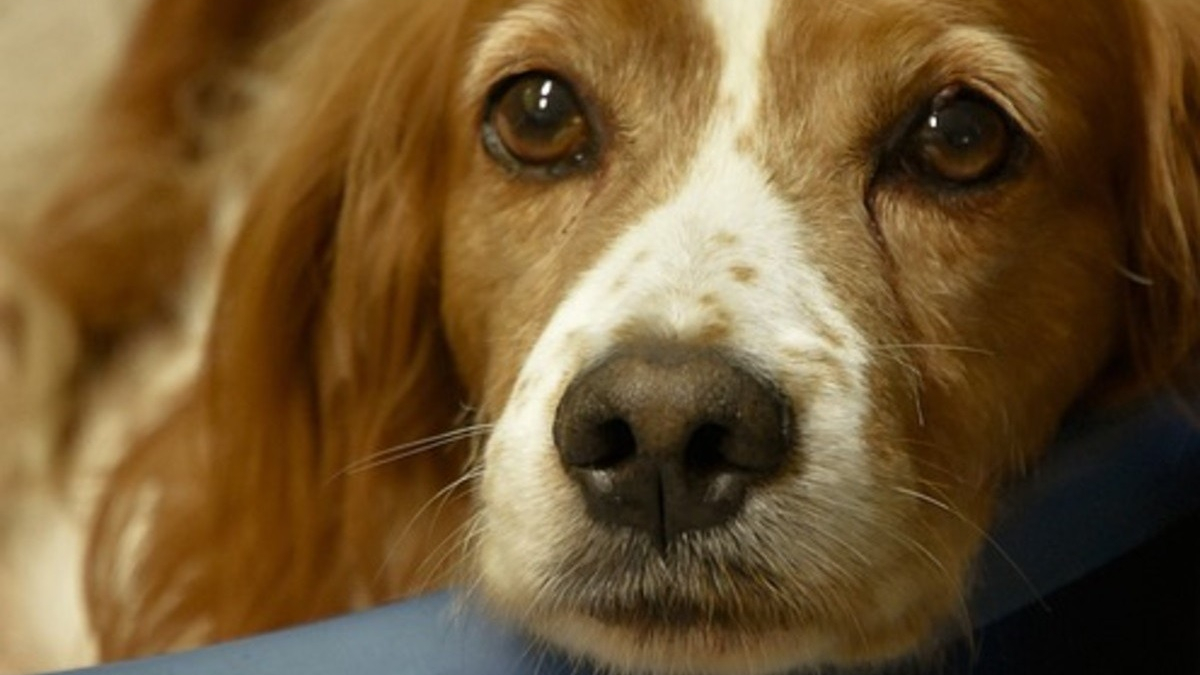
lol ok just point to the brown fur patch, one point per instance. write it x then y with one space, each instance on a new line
744 274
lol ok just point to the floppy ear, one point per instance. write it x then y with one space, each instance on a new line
326 349
115 244
1165 322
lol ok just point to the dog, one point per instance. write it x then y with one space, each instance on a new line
692 337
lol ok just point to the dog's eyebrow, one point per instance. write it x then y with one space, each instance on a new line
504 46
990 62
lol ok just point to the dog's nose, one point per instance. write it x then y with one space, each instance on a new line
668 438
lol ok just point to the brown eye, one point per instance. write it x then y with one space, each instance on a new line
963 140
535 123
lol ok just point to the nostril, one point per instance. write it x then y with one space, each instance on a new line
615 444
705 452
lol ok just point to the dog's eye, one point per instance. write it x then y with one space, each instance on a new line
962 140
536 123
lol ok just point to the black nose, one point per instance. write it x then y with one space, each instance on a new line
667 438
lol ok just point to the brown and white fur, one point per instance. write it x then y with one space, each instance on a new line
397 318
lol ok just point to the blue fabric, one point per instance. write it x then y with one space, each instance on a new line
435 635
1112 482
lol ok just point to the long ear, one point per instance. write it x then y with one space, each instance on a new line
1165 322
326 349
115 243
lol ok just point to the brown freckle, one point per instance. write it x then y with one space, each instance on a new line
831 371
573 342
627 332
725 239
13 329
828 371
744 274
714 333
794 354
830 337
709 301
640 257
745 143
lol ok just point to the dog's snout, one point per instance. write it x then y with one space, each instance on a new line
668 438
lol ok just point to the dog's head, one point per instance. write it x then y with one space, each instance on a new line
763 299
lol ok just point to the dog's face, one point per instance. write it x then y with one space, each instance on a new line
760 300
765 297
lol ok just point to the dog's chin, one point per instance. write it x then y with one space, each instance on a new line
692 610
641 645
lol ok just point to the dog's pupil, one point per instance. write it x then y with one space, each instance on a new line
965 141
964 125
546 104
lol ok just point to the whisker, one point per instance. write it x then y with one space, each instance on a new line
932 346
453 548
470 588
935 474
963 612
440 497
991 541
411 449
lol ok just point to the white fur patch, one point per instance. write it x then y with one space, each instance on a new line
741 28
